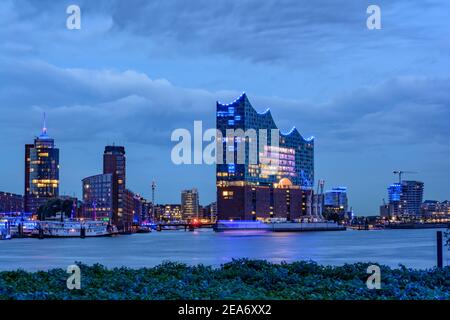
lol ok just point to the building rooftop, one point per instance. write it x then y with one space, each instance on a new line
266 114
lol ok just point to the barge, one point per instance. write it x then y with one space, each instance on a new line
226 225
418 225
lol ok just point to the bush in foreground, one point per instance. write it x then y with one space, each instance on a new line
239 279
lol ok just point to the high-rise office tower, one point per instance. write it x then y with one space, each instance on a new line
412 197
41 171
190 204
114 162
337 198
274 176
97 197
405 198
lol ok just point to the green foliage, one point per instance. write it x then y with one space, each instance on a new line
239 279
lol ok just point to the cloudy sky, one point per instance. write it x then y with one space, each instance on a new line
376 100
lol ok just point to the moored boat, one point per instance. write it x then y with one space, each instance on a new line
143 229
74 228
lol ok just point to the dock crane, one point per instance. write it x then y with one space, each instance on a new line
320 187
400 173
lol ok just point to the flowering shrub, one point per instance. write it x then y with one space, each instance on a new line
239 279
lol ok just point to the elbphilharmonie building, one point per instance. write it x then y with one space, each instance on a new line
261 176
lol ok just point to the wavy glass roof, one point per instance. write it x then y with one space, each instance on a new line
244 99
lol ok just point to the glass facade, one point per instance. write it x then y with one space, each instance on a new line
97 196
41 172
405 198
291 157
190 204
337 198
261 173
412 197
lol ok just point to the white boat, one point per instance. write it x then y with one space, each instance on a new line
74 228
20 228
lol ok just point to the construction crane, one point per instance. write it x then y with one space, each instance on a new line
400 173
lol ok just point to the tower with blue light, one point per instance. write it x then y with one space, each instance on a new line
41 171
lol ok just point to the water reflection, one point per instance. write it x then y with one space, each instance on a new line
413 248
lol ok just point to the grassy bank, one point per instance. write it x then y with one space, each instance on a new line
240 279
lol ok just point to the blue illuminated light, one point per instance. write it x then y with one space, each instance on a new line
395 192
294 151
236 100
288 133
263 113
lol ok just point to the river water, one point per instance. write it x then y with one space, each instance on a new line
413 248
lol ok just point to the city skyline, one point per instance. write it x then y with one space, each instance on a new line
387 112
109 165
44 135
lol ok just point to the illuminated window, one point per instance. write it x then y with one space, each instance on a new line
227 195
